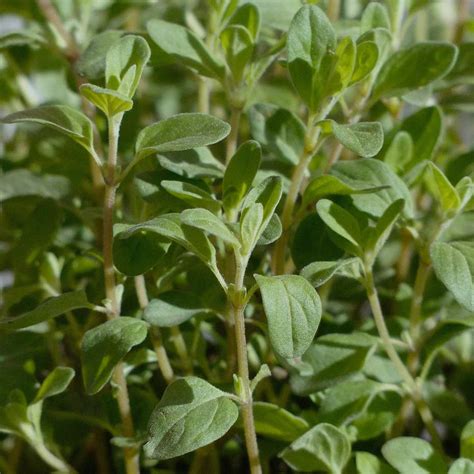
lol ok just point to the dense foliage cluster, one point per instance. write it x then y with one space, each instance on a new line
236 236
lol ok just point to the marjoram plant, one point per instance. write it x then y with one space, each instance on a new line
237 236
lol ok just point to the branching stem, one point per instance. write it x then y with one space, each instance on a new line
131 454
402 370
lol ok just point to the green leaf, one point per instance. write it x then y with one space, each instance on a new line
192 195
278 130
348 400
48 309
462 466
109 101
345 226
238 46
323 448
366 59
62 118
311 42
462 72
313 242
38 233
181 132
440 187
425 128
22 182
467 441
173 308
55 383
445 330
363 138
410 455
192 413
454 266
378 235
293 311
414 67
138 253
240 173
340 74
375 16
124 64
104 346
330 360
374 173
171 227
29 38
274 422
400 152
267 193
250 225
327 185
318 273
272 232
210 223
247 15
195 163
184 47
91 63
368 463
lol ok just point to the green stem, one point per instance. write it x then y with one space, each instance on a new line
238 308
51 459
155 333
131 454
181 349
334 8
204 95
405 375
232 139
311 141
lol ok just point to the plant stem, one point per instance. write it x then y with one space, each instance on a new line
407 378
419 287
155 333
203 95
233 137
50 13
279 252
131 454
334 8
51 459
238 308
181 349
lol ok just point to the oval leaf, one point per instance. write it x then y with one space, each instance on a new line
104 346
409 455
62 118
414 67
323 448
363 138
293 311
454 266
51 308
192 413
181 132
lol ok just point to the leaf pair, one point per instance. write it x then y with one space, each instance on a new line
124 64
318 65
348 235
238 39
